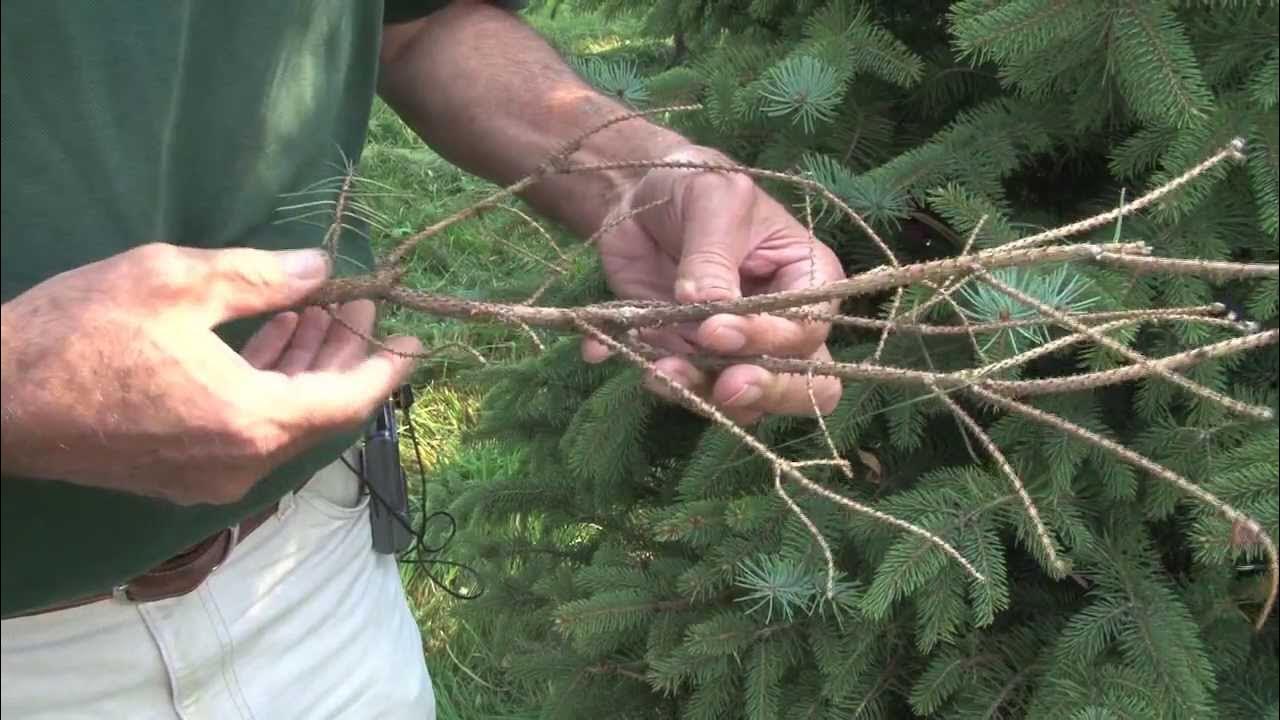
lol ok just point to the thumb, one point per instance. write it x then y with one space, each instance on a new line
241 282
715 211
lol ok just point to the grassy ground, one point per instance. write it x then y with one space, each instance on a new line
409 186
417 187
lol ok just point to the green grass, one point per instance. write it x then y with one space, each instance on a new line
574 33
413 187
409 186
468 676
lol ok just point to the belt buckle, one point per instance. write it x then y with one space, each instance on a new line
178 581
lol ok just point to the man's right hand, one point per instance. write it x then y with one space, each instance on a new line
113 377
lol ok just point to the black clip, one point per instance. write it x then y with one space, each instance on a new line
385 477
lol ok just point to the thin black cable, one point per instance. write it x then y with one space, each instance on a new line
420 553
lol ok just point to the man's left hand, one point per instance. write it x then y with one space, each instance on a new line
720 237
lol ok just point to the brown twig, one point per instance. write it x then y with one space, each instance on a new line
381 286
602 320
1129 373
1189 314
785 467
1254 411
1042 532
867 372
1233 151
1218 271
1159 471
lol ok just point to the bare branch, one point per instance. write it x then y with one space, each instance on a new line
1046 543
1159 471
608 321
1233 151
691 401
380 285
1261 413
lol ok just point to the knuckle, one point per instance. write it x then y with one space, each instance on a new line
810 336
832 260
658 387
722 183
163 266
784 337
711 258
153 253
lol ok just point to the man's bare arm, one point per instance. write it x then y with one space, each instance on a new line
490 95
487 92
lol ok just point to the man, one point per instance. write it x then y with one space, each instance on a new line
180 537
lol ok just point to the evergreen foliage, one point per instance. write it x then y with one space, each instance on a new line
637 562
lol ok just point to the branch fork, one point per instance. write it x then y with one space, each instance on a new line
610 322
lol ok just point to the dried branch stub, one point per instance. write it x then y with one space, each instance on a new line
611 323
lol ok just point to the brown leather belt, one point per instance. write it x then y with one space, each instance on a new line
178 575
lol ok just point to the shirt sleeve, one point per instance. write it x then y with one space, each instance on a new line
401 11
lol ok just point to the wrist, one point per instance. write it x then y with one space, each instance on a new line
584 201
9 382
632 192
20 392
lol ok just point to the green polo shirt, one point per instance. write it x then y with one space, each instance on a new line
183 121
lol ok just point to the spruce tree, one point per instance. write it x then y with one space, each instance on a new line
637 562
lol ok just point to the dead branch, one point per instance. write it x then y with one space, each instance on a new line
611 323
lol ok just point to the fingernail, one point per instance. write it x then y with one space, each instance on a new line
748 395
728 339
305 264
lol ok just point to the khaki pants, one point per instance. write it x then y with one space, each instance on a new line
303 620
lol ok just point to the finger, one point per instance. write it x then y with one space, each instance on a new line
697 382
716 209
676 370
342 398
236 282
673 339
312 329
594 351
263 350
342 348
761 335
746 388
676 340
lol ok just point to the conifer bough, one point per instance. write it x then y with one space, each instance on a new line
612 323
